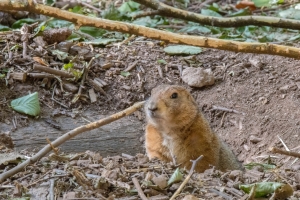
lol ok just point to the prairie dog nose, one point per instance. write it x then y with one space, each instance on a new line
152 106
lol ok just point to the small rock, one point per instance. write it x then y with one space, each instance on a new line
255 139
70 87
198 77
284 89
175 186
160 181
235 173
296 168
246 147
151 192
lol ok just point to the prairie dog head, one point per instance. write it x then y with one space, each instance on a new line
170 106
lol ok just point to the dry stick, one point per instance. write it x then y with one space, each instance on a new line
146 13
288 153
25 38
139 189
52 71
40 75
91 6
246 47
68 136
187 178
130 67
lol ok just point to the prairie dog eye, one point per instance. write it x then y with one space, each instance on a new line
174 95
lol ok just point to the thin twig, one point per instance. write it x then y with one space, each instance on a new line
139 189
91 6
130 67
51 189
285 146
226 110
85 73
187 178
205 3
288 153
62 139
220 193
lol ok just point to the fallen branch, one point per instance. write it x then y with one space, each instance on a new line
187 178
246 47
139 189
288 153
68 136
166 10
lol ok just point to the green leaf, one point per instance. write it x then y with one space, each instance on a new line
60 54
112 13
2 75
128 7
49 2
261 3
294 38
228 36
102 41
149 22
15 47
215 7
29 104
265 166
68 66
195 29
262 189
125 74
183 3
21 22
4 28
182 49
93 31
57 23
76 73
291 13
208 12
162 62
241 12
77 9
176 177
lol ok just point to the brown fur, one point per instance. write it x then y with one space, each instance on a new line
176 128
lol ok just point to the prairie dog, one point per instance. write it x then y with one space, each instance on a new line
177 129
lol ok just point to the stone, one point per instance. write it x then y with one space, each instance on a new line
198 77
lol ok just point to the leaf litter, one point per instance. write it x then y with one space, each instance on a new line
89 175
